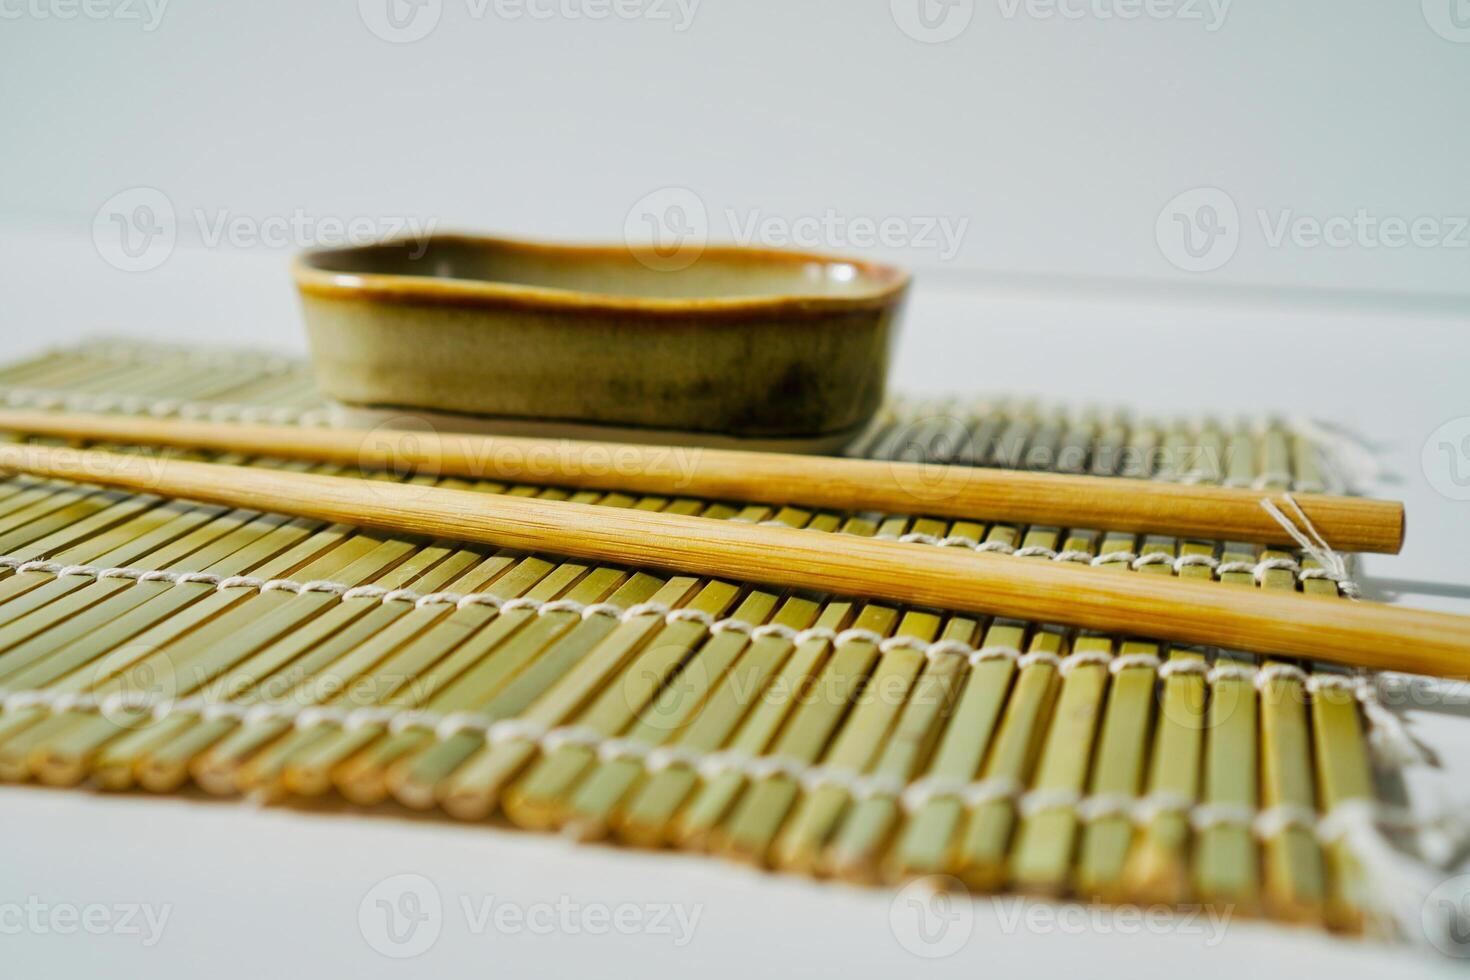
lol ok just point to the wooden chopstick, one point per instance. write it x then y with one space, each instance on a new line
1358 633
1214 513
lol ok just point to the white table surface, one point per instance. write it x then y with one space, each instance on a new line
250 890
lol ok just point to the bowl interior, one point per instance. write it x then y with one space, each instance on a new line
609 270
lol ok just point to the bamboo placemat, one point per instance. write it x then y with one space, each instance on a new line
154 645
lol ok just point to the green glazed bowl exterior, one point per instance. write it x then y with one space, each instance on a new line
743 343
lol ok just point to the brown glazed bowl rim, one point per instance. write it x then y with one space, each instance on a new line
314 275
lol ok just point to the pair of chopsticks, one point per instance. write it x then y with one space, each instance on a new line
1362 634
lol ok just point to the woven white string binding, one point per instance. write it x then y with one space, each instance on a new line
1401 884
1334 566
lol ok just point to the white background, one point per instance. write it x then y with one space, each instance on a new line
1058 141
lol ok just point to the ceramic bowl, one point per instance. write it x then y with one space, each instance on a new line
748 345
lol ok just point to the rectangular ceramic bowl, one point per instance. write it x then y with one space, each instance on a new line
745 345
